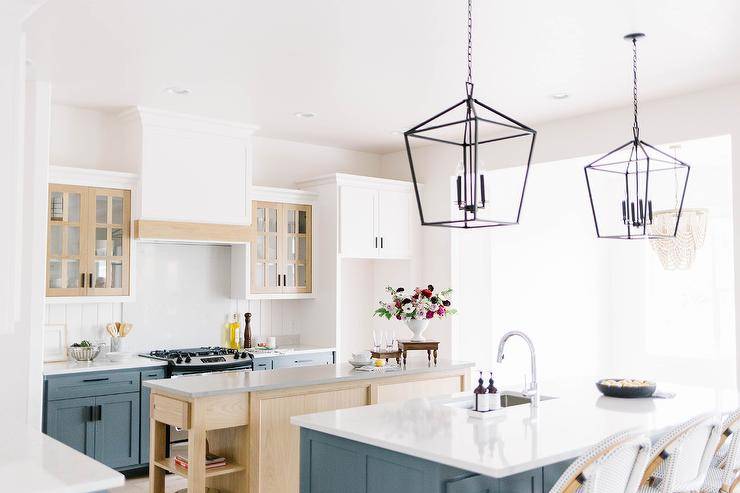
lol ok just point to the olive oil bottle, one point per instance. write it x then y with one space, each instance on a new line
234 333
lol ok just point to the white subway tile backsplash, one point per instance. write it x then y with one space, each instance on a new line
182 300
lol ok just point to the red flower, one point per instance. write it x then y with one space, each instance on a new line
398 317
427 293
430 314
398 303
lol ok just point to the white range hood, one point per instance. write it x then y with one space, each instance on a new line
195 177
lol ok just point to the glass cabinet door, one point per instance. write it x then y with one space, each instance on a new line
266 248
297 240
64 260
108 245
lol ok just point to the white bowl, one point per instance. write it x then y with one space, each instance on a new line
358 364
118 356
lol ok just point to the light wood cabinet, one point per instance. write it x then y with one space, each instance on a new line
281 249
374 221
88 241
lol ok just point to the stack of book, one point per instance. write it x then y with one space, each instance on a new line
212 461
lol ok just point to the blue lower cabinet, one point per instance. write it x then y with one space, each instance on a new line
310 359
146 393
117 430
70 422
103 414
335 465
472 484
262 364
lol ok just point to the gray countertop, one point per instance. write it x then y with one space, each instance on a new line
250 381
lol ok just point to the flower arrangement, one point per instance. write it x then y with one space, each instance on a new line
423 304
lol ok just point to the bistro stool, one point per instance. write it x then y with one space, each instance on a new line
723 475
680 459
614 465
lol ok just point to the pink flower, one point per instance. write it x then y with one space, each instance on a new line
441 311
430 314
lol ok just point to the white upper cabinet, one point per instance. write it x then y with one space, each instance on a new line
374 218
192 169
393 223
358 221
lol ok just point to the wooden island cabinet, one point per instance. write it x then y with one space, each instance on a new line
245 416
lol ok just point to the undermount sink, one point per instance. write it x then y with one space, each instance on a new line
508 398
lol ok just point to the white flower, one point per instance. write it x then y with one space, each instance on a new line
408 308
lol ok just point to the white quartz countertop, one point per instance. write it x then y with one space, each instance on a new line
100 363
520 438
228 382
32 462
290 349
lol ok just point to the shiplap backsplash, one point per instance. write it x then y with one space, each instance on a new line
182 301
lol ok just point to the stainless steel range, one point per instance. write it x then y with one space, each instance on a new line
192 361
202 360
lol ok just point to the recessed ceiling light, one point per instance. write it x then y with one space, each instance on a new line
304 114
560 95
177 90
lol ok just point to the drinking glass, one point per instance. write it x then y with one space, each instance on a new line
376 341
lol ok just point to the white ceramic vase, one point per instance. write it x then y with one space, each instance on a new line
417 327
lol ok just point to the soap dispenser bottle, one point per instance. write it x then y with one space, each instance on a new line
481 399
494 398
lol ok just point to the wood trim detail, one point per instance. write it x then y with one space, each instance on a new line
185 231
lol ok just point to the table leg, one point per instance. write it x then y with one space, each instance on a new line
435 357
157 448
197 460
398 360
405 352
429 356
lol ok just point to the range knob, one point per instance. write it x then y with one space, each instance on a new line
236 355
244 355
178 360
187 359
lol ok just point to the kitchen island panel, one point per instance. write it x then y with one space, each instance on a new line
278 442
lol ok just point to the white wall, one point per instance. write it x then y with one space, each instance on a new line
23 155
281 163
90 138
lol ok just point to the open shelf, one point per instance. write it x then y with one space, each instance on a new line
171 466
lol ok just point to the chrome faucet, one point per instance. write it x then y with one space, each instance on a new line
531 389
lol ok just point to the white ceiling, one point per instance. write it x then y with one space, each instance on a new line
368 68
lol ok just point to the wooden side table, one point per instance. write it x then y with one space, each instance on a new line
386 355
429 346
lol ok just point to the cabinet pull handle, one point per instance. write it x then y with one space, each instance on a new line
89 277
152 374
302 361
376 242
90 413
100 412
101 379
381 242
285 279
278 280
83 279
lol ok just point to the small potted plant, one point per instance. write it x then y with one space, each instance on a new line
417 308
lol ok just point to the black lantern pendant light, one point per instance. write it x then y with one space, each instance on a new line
632 184
463 142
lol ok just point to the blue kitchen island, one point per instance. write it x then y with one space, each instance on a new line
431 445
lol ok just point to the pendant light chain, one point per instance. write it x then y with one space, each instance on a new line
635 127
469 83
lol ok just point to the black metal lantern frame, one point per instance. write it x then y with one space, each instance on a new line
472 127
628 186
